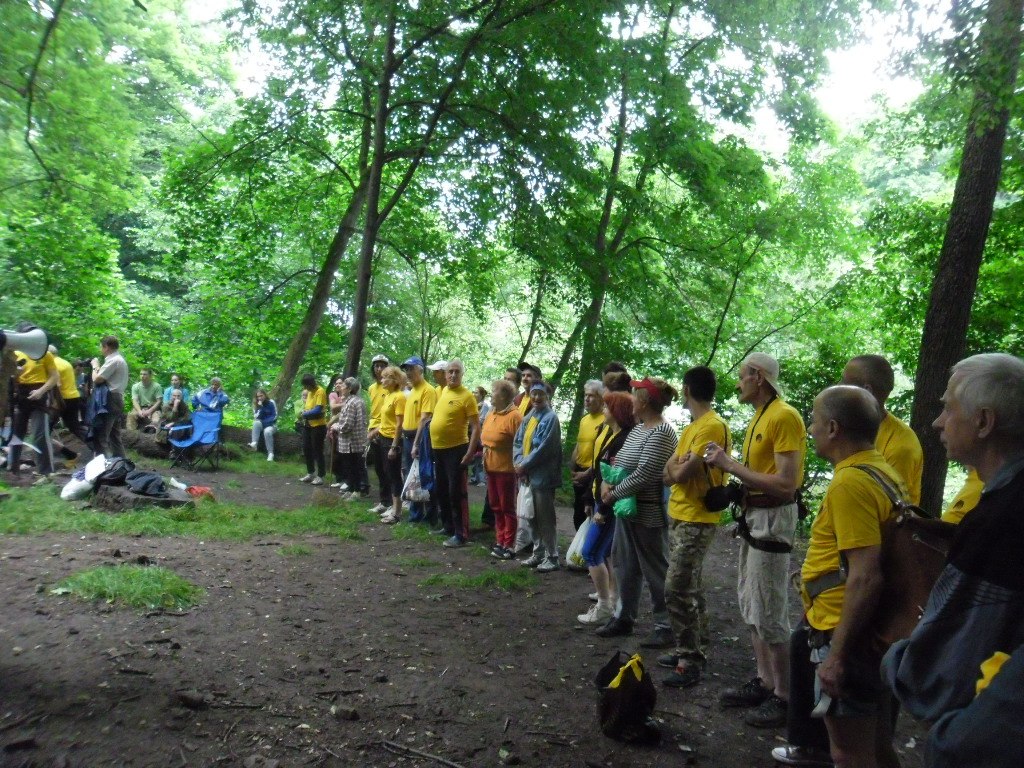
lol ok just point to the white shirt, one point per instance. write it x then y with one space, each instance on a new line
115 372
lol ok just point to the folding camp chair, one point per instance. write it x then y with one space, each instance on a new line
202 446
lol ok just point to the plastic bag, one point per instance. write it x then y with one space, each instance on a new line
412 490
524 502
627 701
95 467
76 489
626 507
574 556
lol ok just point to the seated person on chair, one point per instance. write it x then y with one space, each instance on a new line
213 398
264 422
174 414
147 397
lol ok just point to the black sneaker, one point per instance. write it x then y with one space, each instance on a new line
616 628
660 637
687 677
497 552
507 554
668 660
771 713
750 694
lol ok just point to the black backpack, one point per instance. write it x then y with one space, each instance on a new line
117 470
146 483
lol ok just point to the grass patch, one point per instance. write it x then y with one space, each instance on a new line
295 550
38 510
416 562
514 580
136 586
257 464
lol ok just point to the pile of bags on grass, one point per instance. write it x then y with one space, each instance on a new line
116 471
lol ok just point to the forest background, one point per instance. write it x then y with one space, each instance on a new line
565 182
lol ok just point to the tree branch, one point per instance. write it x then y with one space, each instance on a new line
30 83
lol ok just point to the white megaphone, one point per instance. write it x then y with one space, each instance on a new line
27 338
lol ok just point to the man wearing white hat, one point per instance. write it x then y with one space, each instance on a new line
771 471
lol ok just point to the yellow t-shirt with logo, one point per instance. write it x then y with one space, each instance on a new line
377 395
419 400
391 412
898 443
686 501
37 371
525 404
851 517
966 500
453 413
68 388
314 398
590 425
775 428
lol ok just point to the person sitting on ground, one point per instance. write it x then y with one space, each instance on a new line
264 421
692 528
147 398
314 418
351 439
497 435
640 552
537 458
177 383
619 420
213 398
582 459
174 414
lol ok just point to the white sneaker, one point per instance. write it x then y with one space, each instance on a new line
344 487
317 481
593 597
307 478
596 615
389 519
253 446
378 509
270 457
354 496
335 485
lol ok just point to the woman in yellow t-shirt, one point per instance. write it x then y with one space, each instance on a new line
388 442
314 416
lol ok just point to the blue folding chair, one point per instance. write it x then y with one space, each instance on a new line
202 446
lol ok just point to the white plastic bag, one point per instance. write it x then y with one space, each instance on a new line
524 503
574 557
76 489
412 490
95 467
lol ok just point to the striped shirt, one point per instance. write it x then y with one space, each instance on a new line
644 455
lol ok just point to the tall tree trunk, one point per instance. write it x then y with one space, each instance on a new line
538 305
949 307
282 388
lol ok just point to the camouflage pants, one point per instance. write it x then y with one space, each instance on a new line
684 592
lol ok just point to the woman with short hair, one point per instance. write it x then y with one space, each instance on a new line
499 431
264 420
388 442
351 440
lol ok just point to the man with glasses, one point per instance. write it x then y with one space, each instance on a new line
455 416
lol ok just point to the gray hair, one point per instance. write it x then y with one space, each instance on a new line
994 381
353 385
177 392
595 386
456 362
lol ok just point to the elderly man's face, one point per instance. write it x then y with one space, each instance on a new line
592 402
958 430
818 429
454 376
215 386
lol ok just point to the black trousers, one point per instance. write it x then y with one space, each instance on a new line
106 435
802 730
580 497
313 448
451 480
71 416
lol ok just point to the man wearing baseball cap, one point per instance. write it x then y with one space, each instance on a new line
439 370
771 471
419 405
531 376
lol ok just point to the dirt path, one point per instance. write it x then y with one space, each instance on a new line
249 677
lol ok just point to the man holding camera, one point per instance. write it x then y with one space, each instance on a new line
692 527
771 472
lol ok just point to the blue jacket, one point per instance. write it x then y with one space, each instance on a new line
544 464
266 414
209 400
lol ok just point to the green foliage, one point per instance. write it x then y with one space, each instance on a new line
133 586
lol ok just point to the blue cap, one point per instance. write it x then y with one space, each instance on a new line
541 386
414 360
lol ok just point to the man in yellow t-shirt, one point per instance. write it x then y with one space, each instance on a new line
439 372
896 441
35 380
966 500
314 415
419 406
455 415
71 411
842 577
581 463
377 394
691 527
772 471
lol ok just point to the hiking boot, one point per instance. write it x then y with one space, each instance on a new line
596 616
771 713
454 542
550 564
668 660
533 560
616 628
807 757
660 637
307 478
750 694
683 677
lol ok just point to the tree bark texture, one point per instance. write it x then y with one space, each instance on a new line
943 340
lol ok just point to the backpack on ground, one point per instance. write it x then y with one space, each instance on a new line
146 483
